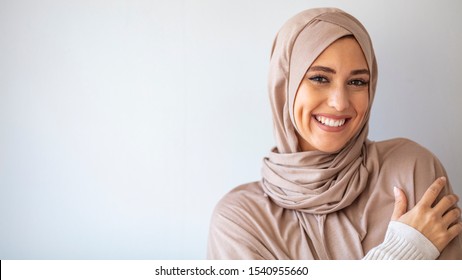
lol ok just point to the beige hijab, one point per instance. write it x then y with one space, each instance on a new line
312 182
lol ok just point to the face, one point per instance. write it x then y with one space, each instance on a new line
333 97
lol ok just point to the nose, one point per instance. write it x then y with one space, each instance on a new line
339 99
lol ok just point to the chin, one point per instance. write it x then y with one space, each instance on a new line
331 148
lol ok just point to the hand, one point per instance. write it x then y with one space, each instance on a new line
440 223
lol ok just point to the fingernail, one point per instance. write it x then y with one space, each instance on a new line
443 179
395 190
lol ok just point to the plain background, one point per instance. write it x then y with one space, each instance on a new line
122 123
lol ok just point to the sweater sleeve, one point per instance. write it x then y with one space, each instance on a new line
403 242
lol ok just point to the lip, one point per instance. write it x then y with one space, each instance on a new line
334 117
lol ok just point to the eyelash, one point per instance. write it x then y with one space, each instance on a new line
362 82
319 79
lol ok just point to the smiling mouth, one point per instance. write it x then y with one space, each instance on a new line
331 122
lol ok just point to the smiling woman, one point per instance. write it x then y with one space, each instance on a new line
333 98
327 192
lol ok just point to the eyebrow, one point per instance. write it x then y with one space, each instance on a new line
359 71
330 70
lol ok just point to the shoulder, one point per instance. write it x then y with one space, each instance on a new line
242 203
405 163
400 148
402 153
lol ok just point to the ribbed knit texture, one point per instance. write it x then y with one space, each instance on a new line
403 242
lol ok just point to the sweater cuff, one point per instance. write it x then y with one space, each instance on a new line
403 242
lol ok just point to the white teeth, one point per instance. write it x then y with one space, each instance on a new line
330 122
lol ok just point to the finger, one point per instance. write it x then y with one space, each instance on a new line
432 192
400 204
455 230
451 216
445 203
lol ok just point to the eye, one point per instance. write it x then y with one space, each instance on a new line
358 82
318 79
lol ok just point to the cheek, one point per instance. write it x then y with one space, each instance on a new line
302 106
361 102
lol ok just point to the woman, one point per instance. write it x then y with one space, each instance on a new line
328 192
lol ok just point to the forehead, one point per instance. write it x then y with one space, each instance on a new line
342 53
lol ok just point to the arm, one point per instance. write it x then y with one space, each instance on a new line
403 242
230 241
233 233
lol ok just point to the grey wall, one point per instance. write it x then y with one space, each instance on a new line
123 122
